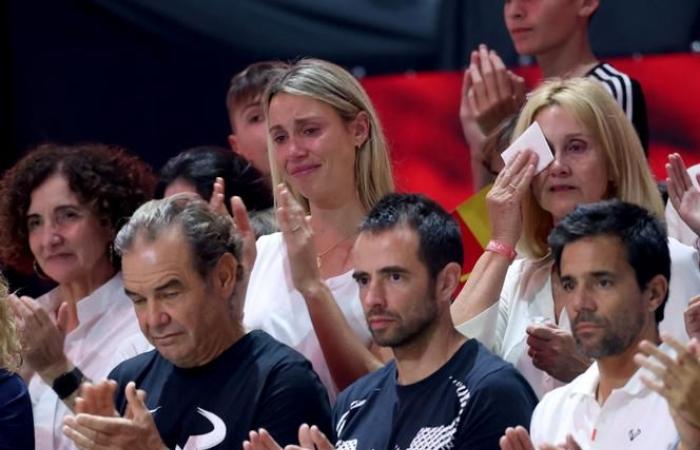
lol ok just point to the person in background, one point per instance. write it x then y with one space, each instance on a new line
512 305
16 420
246 114
556 33
60 208
213 171
328 150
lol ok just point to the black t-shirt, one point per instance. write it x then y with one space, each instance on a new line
466 404
257 382
629 95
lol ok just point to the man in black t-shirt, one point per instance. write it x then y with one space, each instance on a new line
443 390
208 381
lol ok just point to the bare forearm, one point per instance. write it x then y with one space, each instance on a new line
483 288
347 357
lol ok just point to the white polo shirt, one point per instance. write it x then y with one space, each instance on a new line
633 417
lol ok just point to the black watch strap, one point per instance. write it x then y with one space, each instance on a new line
64 385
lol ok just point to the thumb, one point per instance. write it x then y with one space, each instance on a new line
135 402
66 320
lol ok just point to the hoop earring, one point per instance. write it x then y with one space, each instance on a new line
39 272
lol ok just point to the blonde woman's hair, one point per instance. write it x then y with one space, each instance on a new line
10 358
335 86
597 111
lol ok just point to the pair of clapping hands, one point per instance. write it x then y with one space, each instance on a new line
490 92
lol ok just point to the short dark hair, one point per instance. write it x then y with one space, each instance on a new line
251 82
201 165
109 180
641 233
438 233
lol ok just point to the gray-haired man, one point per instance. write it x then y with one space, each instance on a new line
208 381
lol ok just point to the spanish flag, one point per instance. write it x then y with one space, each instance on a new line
473 220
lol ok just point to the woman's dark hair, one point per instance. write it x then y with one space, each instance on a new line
107 179
201 165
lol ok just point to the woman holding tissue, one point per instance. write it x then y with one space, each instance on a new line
60 207
330 163
510 304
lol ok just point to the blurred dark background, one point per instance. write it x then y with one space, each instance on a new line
151 75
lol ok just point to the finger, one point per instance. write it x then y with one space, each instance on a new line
674 192
75 433
652 350
216 202
135 403
518 87
542 332
694 302
267 441
681 171
240 215
466 84
305 439
108 425
503 84
526 176
515 166
654 385
650 365
491 90
571 443
480 97
29 312
523 438
320 439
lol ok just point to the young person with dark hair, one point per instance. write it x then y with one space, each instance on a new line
246 114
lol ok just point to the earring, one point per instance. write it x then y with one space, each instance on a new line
40 273
111 254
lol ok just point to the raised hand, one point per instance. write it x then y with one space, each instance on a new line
490 92
298 237
678 381
41 338
504 200
682 193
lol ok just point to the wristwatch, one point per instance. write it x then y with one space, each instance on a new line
65 384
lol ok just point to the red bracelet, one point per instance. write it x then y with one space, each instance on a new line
502 249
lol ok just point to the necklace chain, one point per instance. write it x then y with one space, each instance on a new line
328 250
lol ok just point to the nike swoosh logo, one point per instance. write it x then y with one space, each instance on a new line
208 440
153 411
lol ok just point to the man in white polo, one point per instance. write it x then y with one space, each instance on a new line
614 268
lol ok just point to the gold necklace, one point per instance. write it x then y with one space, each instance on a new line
326 251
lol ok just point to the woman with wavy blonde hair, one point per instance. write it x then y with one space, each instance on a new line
16 421
511 305
329 160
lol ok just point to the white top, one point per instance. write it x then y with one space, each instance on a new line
632 417
527 294
273 305
108 333
677 228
